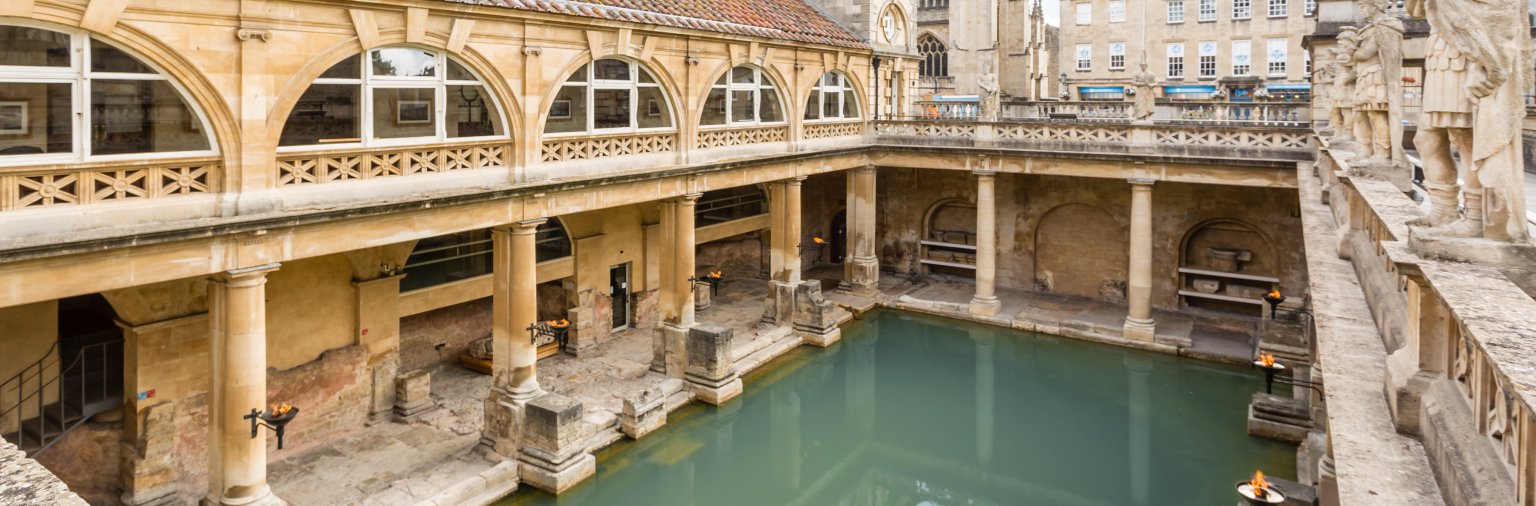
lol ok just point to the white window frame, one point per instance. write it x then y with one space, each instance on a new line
79 76
1084 13
1175 12
1207 61
440 82
759 83
1242 69
1279 8
844 91
1084 64
1207 11
1242 9
1116 59
1277 67
1309 8
633 85
1175 52
1117 11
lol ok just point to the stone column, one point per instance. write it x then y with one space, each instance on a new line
237 330
791 240
861 272
784 233
985 302
378 329
669 353
514 306
1139 325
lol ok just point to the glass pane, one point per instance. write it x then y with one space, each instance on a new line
831 108
32 47
831 79
446 258
35 118
345 69
404 112
568 112
850 105
457 72
404 62
770 110
813 105
610 109
714 108
721 81
142 117
579 76
743 108
653 109
610 70
105 58
743 75
471 112
646 77
325 114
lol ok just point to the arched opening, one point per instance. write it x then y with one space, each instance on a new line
609 95
839 239
832 98
67 97
453 257
949 239
743 96
935 57
392 96
1081 250
1227 266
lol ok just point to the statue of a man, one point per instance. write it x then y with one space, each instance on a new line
1322 86
1378 78
1145 102
1342 115
989 93
1477 68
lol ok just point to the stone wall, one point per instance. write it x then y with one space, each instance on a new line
88 460
333 394
453 327
738 256
311 305
23 481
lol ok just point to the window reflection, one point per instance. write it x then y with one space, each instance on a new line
141 117
608 95
32 47
832 98
742 96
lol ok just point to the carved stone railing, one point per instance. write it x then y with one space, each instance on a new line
1461 373
566 149
1103 137
1202 113
717 137
108 182
354 164
829 130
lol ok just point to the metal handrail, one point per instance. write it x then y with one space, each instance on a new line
75 368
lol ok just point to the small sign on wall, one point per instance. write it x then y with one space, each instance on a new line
147 394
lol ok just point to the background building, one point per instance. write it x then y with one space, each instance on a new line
956 39
1194 47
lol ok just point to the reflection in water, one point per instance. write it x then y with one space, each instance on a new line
908 410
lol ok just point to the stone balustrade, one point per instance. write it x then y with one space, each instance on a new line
29 187
587 147
312 167
1104 137
1460 371
1260 114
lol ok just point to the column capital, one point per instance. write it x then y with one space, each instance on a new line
1141 183
795 181
686 199
523 227
245 276
988 172
867 168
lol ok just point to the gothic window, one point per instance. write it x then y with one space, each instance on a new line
935 57
832 98
393 95
609 95
743 96
68 97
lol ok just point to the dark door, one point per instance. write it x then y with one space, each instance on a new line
618 289
839 237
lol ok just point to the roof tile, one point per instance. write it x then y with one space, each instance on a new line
777 19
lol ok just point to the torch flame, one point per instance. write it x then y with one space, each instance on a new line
1267 359
281 409
558 323
1260 487
1273 295
716 274
818 240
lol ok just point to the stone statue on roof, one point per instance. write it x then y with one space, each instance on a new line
1378 96
990 92
1145 101
1342 114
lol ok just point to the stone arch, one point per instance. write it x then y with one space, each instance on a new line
668 84
949 221
779 81
803 92
1230 234
1081 250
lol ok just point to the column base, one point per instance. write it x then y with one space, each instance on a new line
502 431
988 306
556 481
714 393
1139 330
820 338
866 277
264 498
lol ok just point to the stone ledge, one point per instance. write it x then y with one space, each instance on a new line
24 481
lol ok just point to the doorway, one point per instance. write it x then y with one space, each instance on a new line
839 237
618 290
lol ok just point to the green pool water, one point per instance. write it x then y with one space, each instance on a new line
913 410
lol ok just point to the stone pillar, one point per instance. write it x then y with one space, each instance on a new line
237 330
784 258
861 269
985 302
790 240
669 353
1139 325
711 372
1424 359
378 329
514 306
553 457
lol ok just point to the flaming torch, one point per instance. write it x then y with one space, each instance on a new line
1259 491
713 278
276 419
1274 298
1266 361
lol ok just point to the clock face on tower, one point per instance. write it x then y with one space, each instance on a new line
888 26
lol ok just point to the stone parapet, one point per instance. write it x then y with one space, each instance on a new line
24 481
711 372
553 454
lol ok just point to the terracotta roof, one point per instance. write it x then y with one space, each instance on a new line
775 19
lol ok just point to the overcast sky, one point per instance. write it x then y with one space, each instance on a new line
1052 10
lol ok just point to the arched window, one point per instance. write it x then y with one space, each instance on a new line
68 97
609 95
399 95
935 57
833 98
743 96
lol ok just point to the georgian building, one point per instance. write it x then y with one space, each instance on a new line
1194 47
956 39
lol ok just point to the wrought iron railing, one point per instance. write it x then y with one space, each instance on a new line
51 397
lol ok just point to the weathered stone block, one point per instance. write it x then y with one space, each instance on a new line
1279 418
669 350
815 317
503 428
553 454
702 298
413 395
384 392
643 413
711 372
779 306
